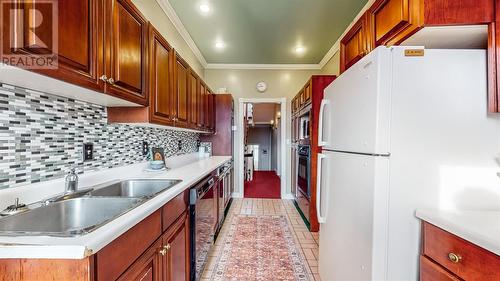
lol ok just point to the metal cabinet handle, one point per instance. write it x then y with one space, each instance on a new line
454 258
165 249
111 81
104 78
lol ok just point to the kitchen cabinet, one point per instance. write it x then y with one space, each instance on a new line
180 98
391 22
222 139
448 257
79 62
177 95
175 258
160 75
147 267
126 52
194 96
354 45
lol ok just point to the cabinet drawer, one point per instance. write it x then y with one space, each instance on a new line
116 257
474 263
430 271
174 208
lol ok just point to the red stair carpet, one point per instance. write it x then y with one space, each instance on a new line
265 184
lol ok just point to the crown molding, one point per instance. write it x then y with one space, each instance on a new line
174 18
263 66
172 15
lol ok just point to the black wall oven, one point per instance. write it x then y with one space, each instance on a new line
304 170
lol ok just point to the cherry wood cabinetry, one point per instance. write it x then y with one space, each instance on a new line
177 95
126 52
390 22
160 76
309 97
448 257
222 139
354 45
194 103
180 96
79 61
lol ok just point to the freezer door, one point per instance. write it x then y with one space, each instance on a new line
356 108
354 212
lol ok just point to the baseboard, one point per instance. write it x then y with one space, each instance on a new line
236 195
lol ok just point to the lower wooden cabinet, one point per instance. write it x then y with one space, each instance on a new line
449 257
167 259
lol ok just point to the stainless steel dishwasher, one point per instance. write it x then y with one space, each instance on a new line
203 218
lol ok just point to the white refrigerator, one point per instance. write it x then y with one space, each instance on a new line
401 130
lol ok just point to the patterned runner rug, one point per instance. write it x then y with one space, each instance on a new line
260 248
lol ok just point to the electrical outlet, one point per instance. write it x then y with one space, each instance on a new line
179 145
145 148
88 151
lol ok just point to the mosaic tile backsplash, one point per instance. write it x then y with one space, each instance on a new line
42 135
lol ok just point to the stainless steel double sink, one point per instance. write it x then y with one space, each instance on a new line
85 213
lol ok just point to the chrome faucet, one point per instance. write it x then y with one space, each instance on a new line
71 181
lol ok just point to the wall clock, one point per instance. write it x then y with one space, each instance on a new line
261 86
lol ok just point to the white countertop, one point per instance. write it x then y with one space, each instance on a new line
86 245
481 228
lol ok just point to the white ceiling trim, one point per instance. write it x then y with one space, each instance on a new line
172 15
263 66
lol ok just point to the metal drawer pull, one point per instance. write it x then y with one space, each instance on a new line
454 257
111 81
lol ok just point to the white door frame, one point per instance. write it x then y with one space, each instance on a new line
239 126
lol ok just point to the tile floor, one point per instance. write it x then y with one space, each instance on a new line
308 241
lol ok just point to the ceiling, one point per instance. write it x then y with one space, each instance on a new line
266 31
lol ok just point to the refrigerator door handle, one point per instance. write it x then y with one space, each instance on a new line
320 125
321 219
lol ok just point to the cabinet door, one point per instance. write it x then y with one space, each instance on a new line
181 100
126 52
176 243
194 93
160 75
147 267
392 21
202 102
307 92
211 111
78 61
354 45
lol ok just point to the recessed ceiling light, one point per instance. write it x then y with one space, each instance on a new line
300 49
220 45
205 8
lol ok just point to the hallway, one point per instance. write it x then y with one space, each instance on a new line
265 184
255 259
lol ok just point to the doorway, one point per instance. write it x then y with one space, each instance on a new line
262 147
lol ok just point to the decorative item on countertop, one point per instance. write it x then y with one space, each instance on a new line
156 160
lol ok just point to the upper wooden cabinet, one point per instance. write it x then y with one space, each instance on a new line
160 76
391 22
126 52
79 61
194 95
201 105
180 96
354 45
